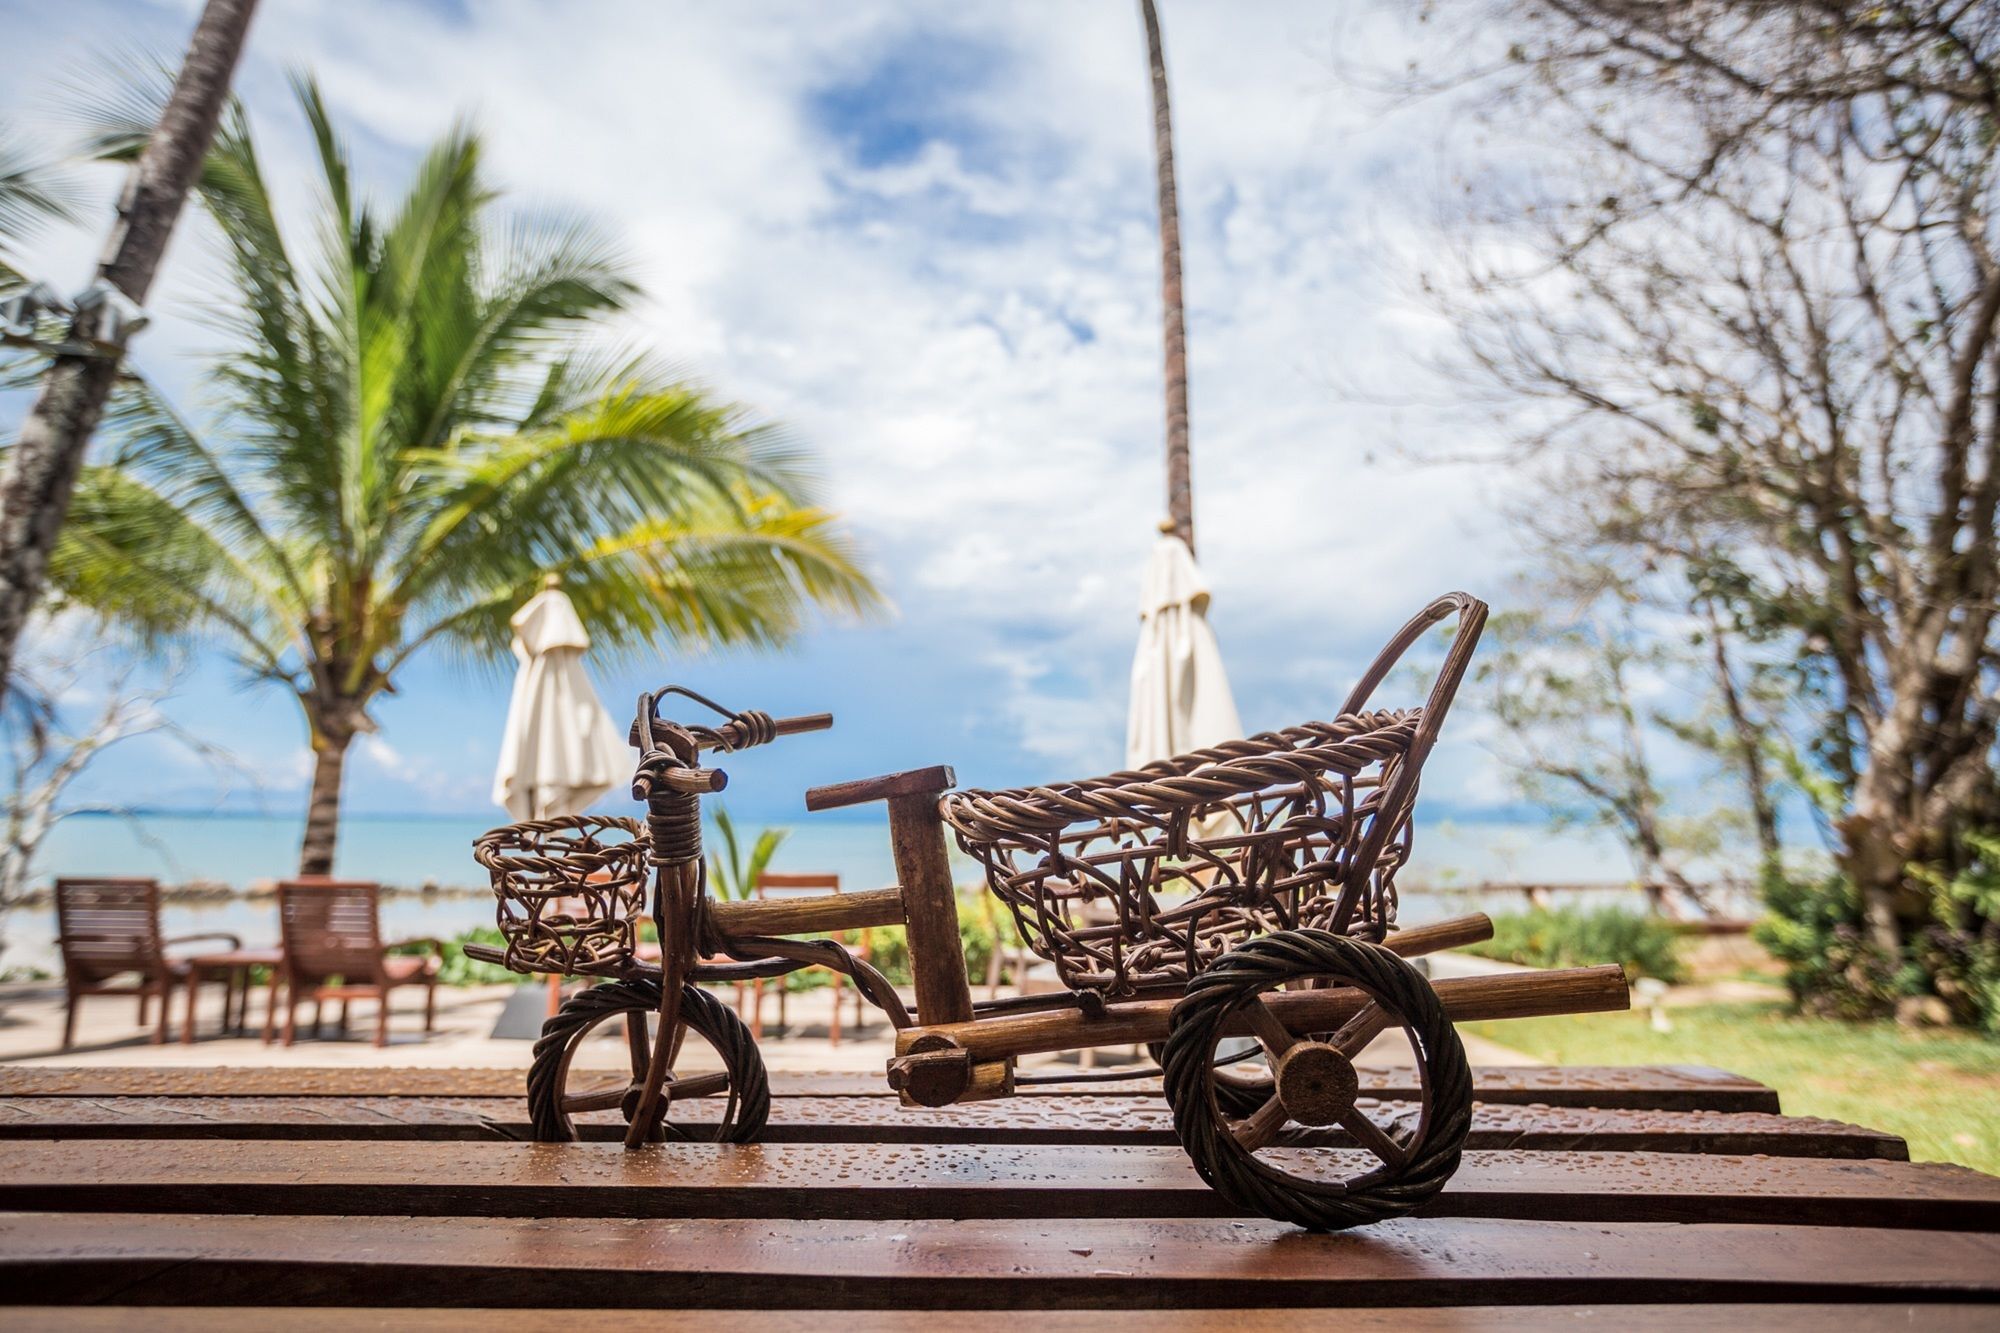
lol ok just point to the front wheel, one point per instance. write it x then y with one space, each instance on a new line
558 1090
1274 1157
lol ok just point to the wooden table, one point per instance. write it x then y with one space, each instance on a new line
1652 1198
235 965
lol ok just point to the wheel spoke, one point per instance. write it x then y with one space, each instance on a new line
602 1100
699 1085
1265 1026
1371 1136
1262 1125
1361 1029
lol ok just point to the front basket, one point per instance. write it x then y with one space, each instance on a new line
569 890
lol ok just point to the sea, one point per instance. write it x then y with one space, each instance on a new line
1451 862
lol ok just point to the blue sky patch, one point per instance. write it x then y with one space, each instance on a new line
910 95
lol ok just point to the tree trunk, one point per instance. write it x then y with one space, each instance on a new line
316 849
48 453
1180 489
1875 860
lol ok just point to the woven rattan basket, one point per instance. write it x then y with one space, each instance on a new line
569 892
1143 878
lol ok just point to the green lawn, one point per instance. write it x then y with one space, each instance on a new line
1940 1091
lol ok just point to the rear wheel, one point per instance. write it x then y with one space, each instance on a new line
1283 1156
559 1091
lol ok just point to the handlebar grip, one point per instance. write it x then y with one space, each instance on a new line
734 736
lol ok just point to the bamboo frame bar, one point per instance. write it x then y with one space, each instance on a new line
1454 933
930 908
1577 990
807 915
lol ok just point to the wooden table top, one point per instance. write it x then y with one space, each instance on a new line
1655 1198
237 958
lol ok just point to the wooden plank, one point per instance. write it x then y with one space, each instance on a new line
1639 1087
355 1118
773 1264
1046 1120
938 1180
1964 1318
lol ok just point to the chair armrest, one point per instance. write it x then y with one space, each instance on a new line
235 941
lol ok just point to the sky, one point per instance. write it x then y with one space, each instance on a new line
922 236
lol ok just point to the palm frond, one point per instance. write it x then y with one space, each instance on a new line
545 278
156 445
767 846
730 864
33 193
744 573
131 554
286 384
502 510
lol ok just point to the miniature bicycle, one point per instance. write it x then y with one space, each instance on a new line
1242 891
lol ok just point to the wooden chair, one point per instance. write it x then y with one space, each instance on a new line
332 937
804 883
108 928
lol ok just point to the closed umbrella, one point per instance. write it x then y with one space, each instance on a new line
561 750
1180 693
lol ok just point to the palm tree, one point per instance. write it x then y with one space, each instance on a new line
415 430
42 467
1180 489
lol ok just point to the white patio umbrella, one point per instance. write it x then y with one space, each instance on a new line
1180 693
561 750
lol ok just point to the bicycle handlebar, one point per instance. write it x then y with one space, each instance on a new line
743 729
737 736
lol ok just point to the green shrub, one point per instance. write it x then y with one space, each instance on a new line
1811 926
1832 967
982 923
1960 952
1572 937
458 970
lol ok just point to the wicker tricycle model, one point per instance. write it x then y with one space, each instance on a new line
1233 908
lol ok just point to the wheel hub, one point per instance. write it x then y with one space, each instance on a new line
1316 1083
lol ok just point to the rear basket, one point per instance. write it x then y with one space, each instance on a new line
1142 879
570 891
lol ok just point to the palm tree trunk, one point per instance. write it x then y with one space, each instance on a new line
1180 489
323 809
48 453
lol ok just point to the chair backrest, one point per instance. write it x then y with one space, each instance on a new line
108 926
329 928
796 883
